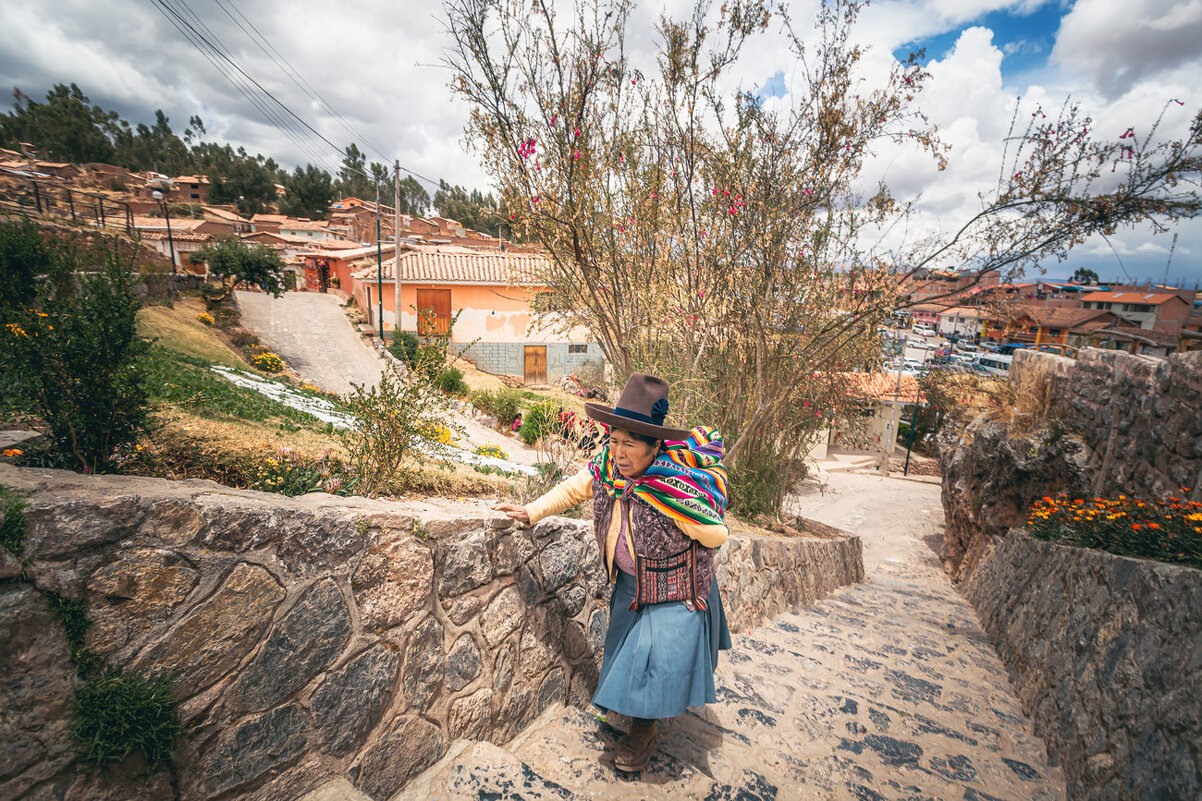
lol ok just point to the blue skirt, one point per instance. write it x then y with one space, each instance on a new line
659 659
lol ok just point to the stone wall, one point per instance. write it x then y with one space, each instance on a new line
319 636
1117 423
1141 416
1105 654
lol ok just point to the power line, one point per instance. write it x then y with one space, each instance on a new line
281 61
223 52
287 127
210 51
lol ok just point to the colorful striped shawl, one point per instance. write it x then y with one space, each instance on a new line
687 483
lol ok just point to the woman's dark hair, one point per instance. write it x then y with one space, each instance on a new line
643 438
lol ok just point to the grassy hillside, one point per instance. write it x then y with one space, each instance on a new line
206 427
178 330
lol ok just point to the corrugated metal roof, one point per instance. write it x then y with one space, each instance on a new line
1128 297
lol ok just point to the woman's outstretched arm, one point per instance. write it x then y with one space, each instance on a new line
564 495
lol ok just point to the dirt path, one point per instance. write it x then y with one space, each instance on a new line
885 690
313 335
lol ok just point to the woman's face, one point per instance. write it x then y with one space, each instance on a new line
631 455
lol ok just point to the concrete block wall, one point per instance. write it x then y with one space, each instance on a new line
508 358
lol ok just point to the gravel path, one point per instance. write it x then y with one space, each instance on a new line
885 690
313 335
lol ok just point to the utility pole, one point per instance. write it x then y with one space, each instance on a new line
894 413
379 270
396 245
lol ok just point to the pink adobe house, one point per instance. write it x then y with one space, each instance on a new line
492 291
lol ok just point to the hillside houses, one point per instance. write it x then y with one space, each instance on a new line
1149 320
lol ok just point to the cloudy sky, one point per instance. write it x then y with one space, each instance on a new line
371 74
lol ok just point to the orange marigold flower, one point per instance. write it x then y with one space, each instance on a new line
1135 526
1153 525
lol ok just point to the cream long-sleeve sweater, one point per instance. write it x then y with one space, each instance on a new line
579 488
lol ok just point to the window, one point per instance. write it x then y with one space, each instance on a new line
547 302
577 348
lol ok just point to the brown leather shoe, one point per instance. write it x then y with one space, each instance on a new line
636 748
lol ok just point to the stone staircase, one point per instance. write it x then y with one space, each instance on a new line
886 690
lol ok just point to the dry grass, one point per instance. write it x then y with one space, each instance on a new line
177 329
185 445
477 379
459 481
229 451
1024 404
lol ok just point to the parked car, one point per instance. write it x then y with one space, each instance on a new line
994 363
966 347
924 329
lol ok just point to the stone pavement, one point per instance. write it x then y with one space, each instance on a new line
886 690
313 335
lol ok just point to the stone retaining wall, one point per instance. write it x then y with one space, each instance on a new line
1140 415
319 636
1117 423
1105 654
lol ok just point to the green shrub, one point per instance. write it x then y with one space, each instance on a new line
12 530
451 382
236 261
74 350
289 474
117 713
503 405
243 338
541 420
392 420
404 346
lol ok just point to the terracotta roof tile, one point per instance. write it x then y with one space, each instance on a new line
177 223
882 386
459 265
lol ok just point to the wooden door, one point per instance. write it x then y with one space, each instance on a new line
433 311
535 369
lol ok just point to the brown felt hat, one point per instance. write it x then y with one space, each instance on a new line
641 409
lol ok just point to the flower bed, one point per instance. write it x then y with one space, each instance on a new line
1169 530
268 362
291 474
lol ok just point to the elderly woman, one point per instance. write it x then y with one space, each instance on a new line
660 496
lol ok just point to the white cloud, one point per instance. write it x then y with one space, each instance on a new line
1117 44
379 66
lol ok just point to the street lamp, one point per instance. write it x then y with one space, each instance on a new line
157 195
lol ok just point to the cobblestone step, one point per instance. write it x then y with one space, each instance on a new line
885 690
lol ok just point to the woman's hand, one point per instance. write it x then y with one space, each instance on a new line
513 511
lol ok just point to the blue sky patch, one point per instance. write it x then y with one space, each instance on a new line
773 87
1025 39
